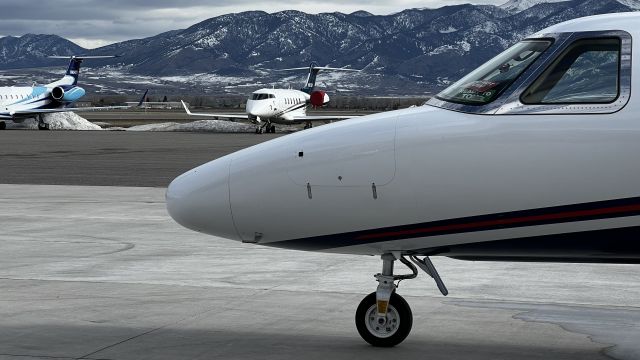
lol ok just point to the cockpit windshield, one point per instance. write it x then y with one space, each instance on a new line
262 96
484 84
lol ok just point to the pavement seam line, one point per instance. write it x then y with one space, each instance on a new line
120 342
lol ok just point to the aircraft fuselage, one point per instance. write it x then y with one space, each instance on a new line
452 178
277 105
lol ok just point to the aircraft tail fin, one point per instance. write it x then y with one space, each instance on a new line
314 69
75 61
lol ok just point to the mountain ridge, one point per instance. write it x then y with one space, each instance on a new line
428 48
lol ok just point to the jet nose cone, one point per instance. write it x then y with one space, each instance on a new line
199 199
252 109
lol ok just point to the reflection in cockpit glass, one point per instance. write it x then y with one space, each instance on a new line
484 84
262 96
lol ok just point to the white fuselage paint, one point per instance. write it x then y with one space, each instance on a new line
280 108
26 98
428 164
417 166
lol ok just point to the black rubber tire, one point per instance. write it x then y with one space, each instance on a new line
273 129
43 127
404 312
3 125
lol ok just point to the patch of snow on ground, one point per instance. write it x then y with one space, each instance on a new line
214 126
58 121
220 126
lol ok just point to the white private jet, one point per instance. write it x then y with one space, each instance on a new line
266 107
531 157
20 103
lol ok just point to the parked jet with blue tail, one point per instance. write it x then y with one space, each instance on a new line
20 103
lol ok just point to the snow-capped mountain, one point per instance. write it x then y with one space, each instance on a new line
32 50
519 5
633 4
420 48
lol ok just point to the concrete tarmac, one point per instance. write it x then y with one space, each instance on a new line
102 272
111 158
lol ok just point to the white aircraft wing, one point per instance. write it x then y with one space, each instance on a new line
59 110
76 109
323 117
227 116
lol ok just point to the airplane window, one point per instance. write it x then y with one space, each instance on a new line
260 96
587 72
484 84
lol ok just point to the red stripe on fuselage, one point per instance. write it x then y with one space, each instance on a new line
577 214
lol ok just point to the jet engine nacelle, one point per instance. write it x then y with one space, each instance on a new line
67 94
319 98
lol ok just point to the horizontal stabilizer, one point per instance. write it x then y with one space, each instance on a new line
83 57
318 68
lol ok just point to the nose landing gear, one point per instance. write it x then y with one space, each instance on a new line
3 125
267 127
388 330
384 318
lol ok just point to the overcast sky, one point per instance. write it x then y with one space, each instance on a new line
93 23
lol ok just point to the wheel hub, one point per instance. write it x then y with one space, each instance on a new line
382 326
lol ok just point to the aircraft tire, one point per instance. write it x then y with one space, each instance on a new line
399 317
272 129
3 125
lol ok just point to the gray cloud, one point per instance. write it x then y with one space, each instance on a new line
94 23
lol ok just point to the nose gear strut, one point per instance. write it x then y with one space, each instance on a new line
266 127
384 318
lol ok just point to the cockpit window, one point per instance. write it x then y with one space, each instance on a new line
262 96
484 84
587 72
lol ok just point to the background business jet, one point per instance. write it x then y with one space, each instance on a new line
20 103
266 107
